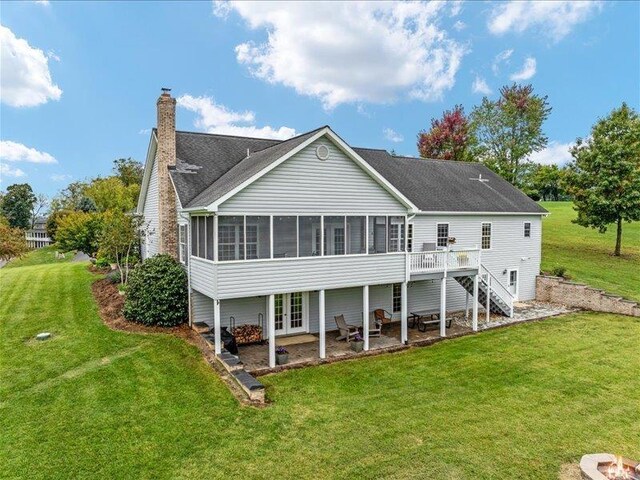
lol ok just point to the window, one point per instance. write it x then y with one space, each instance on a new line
527 229
230 238
486 236
285 241
209 239
396 234
356 235
257 237
377 234
194 236
182 241
397 297
410 237
442 239
201 237
334 235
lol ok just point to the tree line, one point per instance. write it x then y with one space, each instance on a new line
602 179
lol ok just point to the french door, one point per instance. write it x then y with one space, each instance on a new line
291 313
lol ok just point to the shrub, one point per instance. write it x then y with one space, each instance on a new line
559 271
157 293
113 276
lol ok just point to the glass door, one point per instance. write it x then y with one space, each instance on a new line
291 313
513 283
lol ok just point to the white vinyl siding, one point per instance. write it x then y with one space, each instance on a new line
150 214
305 184
509 249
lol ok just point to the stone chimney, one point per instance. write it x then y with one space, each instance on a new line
166 157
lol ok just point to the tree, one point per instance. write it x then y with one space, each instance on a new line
80 231
604 177
17 204
119 239
39 206
12 241
449 138
53 220
509 129
111 194
128 170
73 198
545 181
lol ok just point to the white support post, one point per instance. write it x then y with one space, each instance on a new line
321 324
215 238
216 327
443 307
271 236
322 252
271 327
404 331
474 317
466 306
365 316
488 305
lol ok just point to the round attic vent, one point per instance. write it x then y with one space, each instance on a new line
322 152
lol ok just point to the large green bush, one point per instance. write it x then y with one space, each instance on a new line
157 293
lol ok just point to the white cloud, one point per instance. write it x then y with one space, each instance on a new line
25 80
9 171
215 118
17 152
60 177
480 86
459 25
392 135
528 70
503 56
144 131
556 153
43 2
555 19
350 52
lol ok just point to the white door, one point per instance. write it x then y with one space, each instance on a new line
291 313
513 283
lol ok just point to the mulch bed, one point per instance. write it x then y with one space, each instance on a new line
110 303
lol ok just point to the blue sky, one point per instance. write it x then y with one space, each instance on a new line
80 80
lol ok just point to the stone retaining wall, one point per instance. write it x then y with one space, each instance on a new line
558 290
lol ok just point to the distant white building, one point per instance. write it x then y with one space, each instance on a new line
37 236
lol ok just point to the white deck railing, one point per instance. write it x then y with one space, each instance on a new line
443 260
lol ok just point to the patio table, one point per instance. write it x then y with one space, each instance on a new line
426 317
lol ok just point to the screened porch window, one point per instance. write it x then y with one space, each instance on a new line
309 236
201 237
356 235
285 238
377 234
334 235
230 238
257 237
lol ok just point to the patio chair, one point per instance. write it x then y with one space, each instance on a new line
347 332
382 316
375 327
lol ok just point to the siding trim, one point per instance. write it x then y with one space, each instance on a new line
146 177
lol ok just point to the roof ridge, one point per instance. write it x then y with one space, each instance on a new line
289 139
231 136
405 157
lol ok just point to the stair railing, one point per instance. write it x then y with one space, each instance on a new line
498 288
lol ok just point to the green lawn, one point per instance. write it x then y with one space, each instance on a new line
587 254
512 403
39 257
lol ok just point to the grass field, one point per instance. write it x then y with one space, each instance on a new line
587 254
40 256
512 403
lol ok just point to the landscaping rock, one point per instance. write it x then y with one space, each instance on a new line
43 336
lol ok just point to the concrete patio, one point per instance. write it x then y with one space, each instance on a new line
256 357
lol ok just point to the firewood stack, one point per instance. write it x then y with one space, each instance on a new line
247 334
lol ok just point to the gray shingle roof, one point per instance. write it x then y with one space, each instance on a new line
448 186
246 168
209 166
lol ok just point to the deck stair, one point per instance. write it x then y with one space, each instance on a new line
501 300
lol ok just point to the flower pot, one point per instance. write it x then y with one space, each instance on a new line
282 358
357 346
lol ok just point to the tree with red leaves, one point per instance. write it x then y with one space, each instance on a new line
449 138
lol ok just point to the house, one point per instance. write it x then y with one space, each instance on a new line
37 236
288 234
